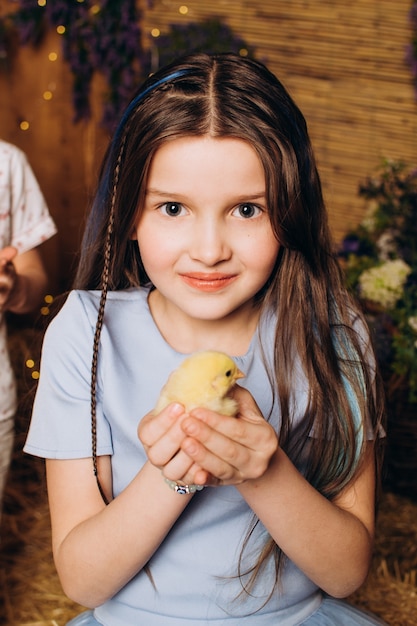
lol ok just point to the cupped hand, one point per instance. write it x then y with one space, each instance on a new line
230 450
7 274
161 436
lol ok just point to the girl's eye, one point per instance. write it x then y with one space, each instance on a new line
172 209
248 210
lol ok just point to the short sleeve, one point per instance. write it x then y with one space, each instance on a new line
61 421
22 204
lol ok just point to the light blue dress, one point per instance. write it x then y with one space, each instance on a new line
195 568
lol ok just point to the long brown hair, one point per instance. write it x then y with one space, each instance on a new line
224 95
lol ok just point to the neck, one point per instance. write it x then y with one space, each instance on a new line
231 334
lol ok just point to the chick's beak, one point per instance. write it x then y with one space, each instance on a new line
239 374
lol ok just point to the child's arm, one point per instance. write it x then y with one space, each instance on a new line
23 280
330 541
90 538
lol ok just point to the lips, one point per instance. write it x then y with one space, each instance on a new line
208 282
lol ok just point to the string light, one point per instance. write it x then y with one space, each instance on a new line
47 94
158 54
30 364
48 299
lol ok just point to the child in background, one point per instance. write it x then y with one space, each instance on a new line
209 231
24 224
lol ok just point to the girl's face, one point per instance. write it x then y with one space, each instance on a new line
204 235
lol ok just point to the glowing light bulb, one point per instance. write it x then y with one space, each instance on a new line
155 32
52 56
60 29
183 9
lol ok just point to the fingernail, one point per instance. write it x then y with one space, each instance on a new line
176 410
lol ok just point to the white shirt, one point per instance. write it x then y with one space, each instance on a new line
25 223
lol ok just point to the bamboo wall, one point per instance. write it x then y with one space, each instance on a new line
343 64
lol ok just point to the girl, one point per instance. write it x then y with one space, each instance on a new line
208 231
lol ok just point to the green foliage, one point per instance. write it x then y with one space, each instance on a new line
381 268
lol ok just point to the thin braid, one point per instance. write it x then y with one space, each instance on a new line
122 131
100 318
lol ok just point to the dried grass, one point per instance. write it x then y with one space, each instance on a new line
30 592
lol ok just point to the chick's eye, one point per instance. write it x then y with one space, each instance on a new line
247 210
228 373
172 209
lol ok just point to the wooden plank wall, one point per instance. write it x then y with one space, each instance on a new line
342 62
63 155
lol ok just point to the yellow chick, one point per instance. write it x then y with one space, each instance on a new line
202 380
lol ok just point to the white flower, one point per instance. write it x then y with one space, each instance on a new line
386 245
384 284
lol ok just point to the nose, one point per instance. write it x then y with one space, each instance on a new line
210 243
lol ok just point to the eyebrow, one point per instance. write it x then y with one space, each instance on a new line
169 194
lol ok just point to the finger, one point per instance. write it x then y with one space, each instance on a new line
195 475
152 427
8 253
198 476
179 467
202 477
245 429
244 452
161 435
217 468
211 449
248 407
